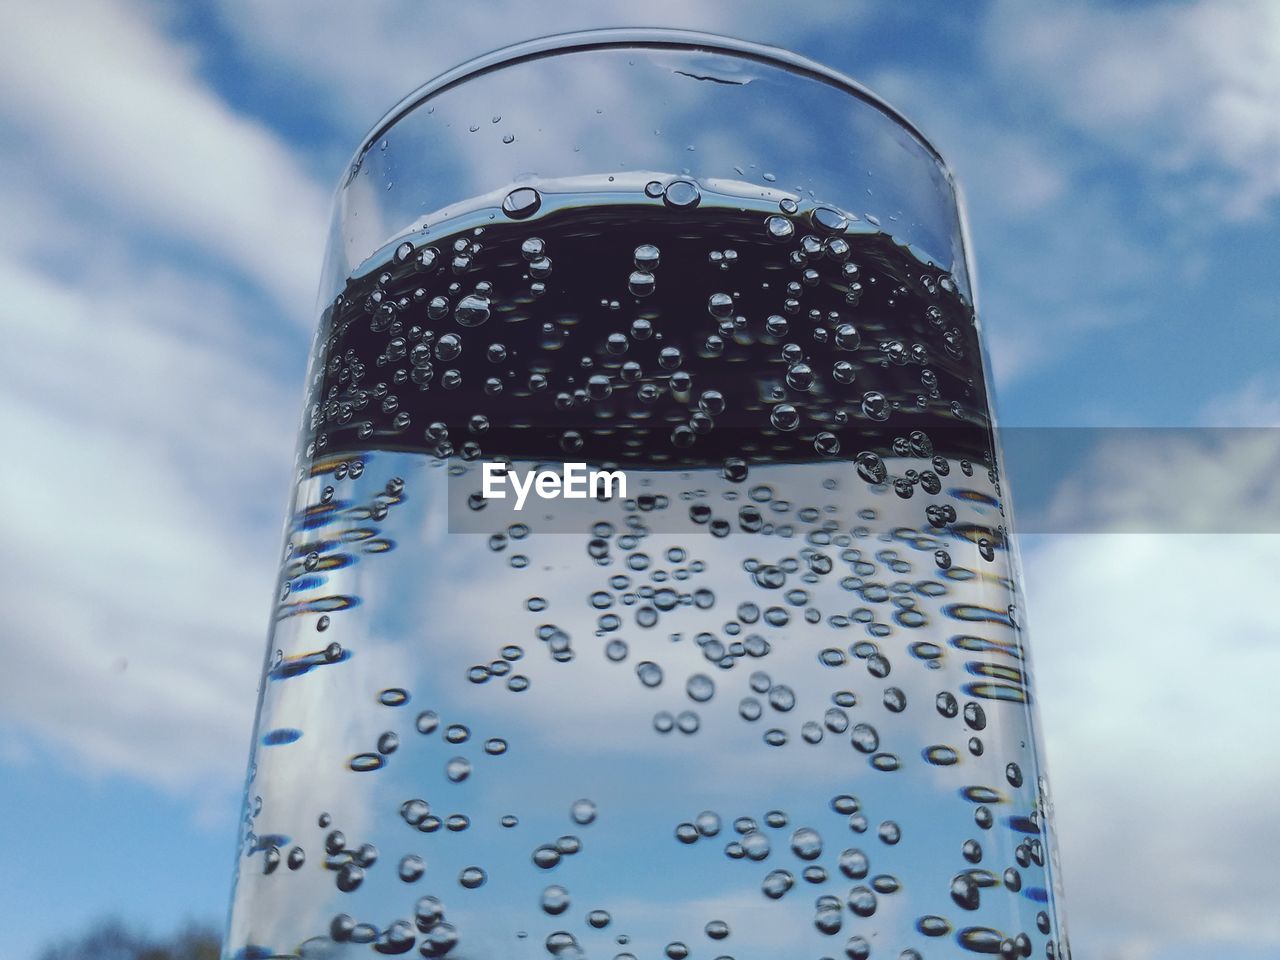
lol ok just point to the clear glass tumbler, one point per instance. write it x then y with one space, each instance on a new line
773 698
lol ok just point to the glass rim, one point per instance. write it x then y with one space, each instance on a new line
654 38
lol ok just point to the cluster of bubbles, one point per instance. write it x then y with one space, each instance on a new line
429 930
423 352
794 576
427 321
827 555
752 843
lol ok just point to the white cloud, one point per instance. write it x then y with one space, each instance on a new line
1182 95
142 445
1188 90
149 411
545 110
1011 172
117 111
414 42
1154 657
1255 403
1178 481
1055 264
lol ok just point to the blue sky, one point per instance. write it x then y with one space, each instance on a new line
168 170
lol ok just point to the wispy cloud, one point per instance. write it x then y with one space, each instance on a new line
316 40
145 449
117 111
150 410
1155 657
1254 403
1055 264
1155 654
1188 91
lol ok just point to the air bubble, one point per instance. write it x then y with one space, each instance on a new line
583 812
826 444
471 311
875 405
800 377
782 698
646 257
806 843
829 219
853 864
974 716
755 845
414 812
829 917
393 697
847 337
862 901
864 738
681 194
366 762
546 856
707 823
555 900
641 283
700 687
523 202
785 417
871 468
599 387
964 892
720 305
779 228
349 878
411 868
448 347
777 883
650 673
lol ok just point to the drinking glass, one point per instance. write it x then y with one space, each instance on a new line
773 697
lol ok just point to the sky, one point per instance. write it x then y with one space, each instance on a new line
168 170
